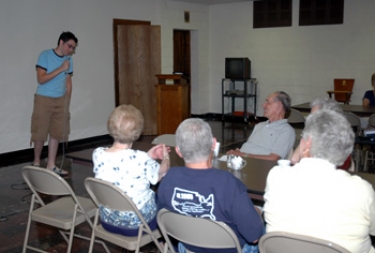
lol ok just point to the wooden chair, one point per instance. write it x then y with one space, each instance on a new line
342 90
283 242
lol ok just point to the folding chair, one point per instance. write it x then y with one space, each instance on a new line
106 194
369 149
168 139
64 213
199 232
296 117
283 242
355 123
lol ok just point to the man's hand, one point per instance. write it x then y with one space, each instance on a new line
235 152
65 66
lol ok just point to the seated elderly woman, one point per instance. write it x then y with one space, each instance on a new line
131 170
314 198
324 104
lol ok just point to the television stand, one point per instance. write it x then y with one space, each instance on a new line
239 89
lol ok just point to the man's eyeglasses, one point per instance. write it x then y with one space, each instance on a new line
71 46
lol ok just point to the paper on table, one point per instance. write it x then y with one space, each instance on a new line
223 158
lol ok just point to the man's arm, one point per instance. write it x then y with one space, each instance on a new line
42 76
69 86
365 102
372 212
271 157
246 217
296 156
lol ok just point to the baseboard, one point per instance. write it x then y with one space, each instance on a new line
208 116
27 155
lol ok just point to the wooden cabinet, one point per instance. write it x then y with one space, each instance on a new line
172 102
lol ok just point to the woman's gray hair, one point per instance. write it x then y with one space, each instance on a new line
332 137
194 140
326 104
285 100
125 124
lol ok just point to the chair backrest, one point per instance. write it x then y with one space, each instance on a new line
45 181
106 194
295 116
342 84
199 232
371 121
354 121
168 139
283 242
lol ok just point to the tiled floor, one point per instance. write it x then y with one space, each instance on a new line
15 198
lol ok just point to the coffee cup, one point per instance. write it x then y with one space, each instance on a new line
283 162
216 149
235 162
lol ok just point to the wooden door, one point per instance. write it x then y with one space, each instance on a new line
182 57
181 52
137 61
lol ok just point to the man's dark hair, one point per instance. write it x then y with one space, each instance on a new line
66 36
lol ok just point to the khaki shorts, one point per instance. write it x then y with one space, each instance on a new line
50 116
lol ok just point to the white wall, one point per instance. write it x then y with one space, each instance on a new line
173 18
301 60
29 26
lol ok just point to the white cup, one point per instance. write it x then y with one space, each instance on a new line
216 149
235 162
283 162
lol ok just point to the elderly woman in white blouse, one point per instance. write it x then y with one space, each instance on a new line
316 199
131 170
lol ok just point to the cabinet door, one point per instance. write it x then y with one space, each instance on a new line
172 103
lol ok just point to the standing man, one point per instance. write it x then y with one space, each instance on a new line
52 98
274 138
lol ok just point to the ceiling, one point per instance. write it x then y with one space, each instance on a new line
213 1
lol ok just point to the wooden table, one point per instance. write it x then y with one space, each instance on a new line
361 111
253 175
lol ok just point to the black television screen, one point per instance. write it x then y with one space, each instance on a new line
237 68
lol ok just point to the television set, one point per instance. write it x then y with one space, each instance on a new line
237 68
